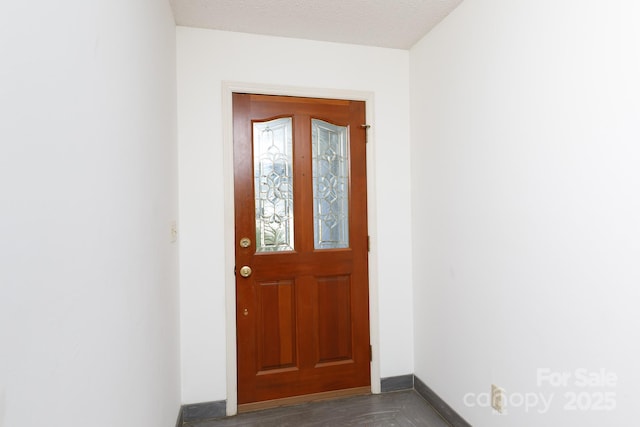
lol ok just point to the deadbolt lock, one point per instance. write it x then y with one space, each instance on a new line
245 242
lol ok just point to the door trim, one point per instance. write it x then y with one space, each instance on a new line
228 88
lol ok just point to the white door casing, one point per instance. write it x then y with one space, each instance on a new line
228 88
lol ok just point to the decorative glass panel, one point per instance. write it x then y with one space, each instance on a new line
330 145
273 174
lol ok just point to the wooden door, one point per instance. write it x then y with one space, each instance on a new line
301 246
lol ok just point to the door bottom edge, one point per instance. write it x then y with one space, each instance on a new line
305 398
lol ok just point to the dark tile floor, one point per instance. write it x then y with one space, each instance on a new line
402 408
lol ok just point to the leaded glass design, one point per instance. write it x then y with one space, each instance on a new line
330 145
273 175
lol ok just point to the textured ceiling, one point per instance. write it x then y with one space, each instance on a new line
384 23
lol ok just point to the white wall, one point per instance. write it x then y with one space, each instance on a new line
206 59
525 150
88 185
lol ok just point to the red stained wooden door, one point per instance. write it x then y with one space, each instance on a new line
303 313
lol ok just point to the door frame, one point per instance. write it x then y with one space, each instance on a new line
228 88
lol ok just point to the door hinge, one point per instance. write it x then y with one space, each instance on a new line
370 353
366 134
368 243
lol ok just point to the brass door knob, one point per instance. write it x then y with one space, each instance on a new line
245 271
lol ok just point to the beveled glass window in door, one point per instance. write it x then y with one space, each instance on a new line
273 182
330 146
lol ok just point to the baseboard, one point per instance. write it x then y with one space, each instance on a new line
445 411
202 411
401 382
